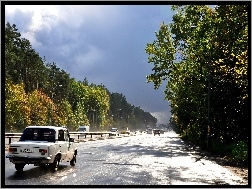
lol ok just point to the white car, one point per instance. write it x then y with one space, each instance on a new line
114 131
43 145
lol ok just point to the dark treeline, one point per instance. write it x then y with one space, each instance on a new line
40 93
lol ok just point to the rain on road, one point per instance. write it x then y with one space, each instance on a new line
143 159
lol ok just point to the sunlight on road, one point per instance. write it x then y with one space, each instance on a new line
182 167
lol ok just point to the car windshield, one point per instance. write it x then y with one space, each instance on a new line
113 130
38 134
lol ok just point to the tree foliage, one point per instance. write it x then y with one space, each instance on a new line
40 93
17 109
42 108
205 48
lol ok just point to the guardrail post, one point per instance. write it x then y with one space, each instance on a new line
9 140
91 135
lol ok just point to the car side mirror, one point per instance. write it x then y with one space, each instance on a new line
71 139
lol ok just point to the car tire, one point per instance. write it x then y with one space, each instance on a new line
54 166
73 161
19 167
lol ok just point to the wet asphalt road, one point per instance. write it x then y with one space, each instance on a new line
143 159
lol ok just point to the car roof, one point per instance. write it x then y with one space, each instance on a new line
48 127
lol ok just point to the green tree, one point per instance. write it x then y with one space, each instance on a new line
58 83
101 99
80 115
22 63
65 114
77 98
12 43
204 48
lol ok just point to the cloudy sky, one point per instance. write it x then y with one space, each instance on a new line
104 43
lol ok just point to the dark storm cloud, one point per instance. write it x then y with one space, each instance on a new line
106 47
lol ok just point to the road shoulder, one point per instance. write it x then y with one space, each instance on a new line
239 170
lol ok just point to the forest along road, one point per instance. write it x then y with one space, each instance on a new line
143 159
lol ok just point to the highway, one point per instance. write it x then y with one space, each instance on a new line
142 159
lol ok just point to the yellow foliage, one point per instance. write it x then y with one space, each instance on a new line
17 111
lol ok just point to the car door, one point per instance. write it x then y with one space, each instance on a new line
63 145
70 150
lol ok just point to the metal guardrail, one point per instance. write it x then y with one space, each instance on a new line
12 135
18 135
90 133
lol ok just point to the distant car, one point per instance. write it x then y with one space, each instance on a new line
149 131
114 131
125 130
156 132
83 128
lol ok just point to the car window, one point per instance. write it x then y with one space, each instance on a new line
38 134
61 136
